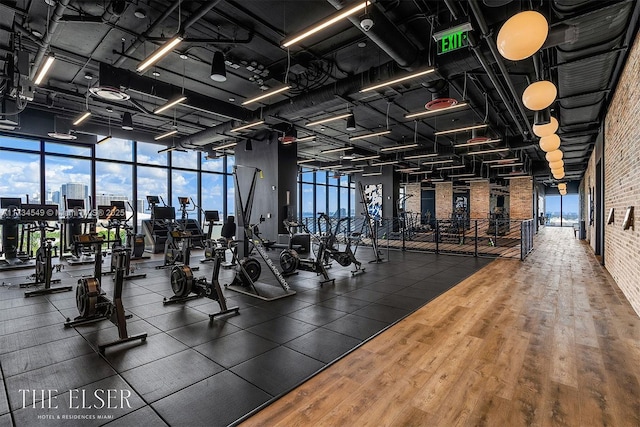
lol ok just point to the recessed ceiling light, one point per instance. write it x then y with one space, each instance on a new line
232 99
140 14
184 56
88 76
156 74
362 44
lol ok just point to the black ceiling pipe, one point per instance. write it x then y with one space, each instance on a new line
143 37
486 34
387 36
496 83
114 9
46 39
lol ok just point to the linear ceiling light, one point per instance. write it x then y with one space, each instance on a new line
420 156
166 150
328 119
372 174
441 168
437 162
335 150
370 135
433 180
408 169
375 156
82 117
418 172
170 104
300 162
351 170
266 95
461 175
506 165
398 80
434 112
307 138
44 69
225 146
332 167
495 150
247 126
155 57
388 162
105 139
167 134
470 144
515 159
446 132
399 147
332 19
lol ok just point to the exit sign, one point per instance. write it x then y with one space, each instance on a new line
452 41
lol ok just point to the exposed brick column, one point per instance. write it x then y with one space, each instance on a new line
521 198
444 200
480 199
413 203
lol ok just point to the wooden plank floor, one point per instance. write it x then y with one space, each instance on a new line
550 341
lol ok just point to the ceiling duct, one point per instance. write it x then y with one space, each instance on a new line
387 36
46 40
439 95
114 9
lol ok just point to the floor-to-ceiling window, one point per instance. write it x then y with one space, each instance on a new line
562 211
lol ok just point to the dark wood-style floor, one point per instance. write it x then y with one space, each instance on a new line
548 341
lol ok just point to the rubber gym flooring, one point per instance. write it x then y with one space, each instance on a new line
190 371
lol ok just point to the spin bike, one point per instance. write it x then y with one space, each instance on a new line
177 248
332 250
44 266
116 216
290 261
91 300
186 287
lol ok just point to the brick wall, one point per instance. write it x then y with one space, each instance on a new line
622 179
588 182
480 197
444 199
413 202
521 198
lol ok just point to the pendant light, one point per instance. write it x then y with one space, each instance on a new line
539 95
218 68
554 156
550 143
543 130
522 35
127 121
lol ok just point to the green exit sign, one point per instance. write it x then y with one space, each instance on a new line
452 41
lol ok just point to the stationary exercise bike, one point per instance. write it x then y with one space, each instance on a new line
91 300
44 265
177 248
117 219
186 287
332 249
290 261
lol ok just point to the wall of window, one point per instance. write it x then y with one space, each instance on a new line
126 170
322 192
562 211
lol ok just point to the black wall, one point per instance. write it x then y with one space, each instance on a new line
390 191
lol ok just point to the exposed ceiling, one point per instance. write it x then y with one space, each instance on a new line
99 44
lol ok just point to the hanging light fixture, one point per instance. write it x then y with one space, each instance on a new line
248 145
155 57
550 143
44 69
218 67
127 121
351 123
522 35
546 129
559 175
554 156
557 164
539 95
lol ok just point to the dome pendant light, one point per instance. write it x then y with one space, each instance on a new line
550 143
351 123
546 129
127 121
539 95
554 156
522 35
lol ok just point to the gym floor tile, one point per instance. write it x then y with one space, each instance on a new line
165 376
388 285
235 348
323 345
154 309
15 298
25 311
282 329
317 315
110 331
143 417
4 403
284 305
216 401
197 333
317 295
251 316
34 337
70 374
356 326
177 318
84 403
5 420
345 303
138 300
135 353
382 313
36 357
277 370
212 307
416 292
33 322
399 301
366 295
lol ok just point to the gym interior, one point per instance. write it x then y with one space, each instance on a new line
322 212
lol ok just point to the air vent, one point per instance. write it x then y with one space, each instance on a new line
440 103
109 93
63 136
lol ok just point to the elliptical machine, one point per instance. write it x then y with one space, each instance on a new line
177 248
116 216
91 300
186 287
44 266
332 249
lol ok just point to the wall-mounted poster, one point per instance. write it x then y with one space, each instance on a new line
373 198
